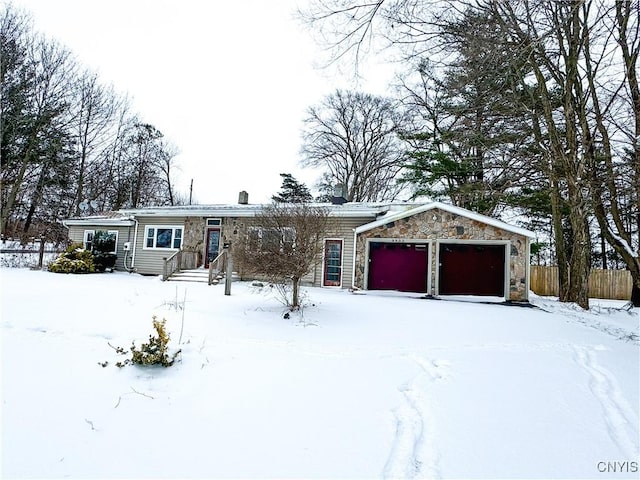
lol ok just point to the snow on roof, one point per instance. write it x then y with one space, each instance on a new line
105 218
407 212
350 209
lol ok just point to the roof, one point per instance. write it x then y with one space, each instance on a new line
383 213
346 210
448 208
107 219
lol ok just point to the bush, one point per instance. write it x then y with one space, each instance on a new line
156 352
75 259
104 261
103 244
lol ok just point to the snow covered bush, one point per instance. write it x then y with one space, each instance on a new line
156 352
75 259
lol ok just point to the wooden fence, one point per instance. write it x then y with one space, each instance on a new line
613 284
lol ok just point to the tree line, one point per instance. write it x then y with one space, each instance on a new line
522 104
70 144
526 106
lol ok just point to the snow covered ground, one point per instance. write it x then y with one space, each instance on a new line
360 386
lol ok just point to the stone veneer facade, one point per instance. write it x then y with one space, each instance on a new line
437 225
195 237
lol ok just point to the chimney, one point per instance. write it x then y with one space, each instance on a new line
339 195
243 198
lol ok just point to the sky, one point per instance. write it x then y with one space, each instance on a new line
227 82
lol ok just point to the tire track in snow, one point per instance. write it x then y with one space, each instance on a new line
414 454
620 419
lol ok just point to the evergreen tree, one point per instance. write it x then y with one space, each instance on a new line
292 191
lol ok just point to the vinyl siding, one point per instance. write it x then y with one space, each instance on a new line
343 230
125 234
151 261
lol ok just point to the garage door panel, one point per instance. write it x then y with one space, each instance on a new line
398 266
468 269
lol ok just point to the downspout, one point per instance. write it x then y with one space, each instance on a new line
135 243
527 269
353 261
131 268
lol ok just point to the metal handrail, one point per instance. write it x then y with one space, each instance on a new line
213 271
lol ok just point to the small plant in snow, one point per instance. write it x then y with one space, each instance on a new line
156 352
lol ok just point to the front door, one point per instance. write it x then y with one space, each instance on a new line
213 245
332 275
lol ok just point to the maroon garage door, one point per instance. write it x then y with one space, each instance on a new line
398 266
467 269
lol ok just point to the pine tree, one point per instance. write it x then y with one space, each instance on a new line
292 191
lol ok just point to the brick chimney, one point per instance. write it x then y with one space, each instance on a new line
243 198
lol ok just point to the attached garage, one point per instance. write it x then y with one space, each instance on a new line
440 249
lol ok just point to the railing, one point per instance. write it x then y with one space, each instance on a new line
181 260
216 266
171 265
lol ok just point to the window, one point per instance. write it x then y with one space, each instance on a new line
271 239
103 240
169 237
214 222
88 240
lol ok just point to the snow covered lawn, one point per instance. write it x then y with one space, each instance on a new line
362 386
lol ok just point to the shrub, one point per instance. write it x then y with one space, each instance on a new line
104 243
156 352
75 259
104 261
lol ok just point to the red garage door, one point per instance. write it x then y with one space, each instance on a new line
467 269
398 266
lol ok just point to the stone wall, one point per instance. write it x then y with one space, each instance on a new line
193 240
436 224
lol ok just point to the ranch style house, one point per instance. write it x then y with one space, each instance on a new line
430 248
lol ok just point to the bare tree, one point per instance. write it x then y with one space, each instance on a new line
93 127
352 137
283 244
166 161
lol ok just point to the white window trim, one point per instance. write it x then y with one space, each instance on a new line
93 232
155 237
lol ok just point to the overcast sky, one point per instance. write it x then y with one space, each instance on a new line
226 81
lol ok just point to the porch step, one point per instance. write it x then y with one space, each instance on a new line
197 275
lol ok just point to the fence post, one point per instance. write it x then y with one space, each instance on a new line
41 254
228 268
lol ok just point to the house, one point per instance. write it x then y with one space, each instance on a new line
431 248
